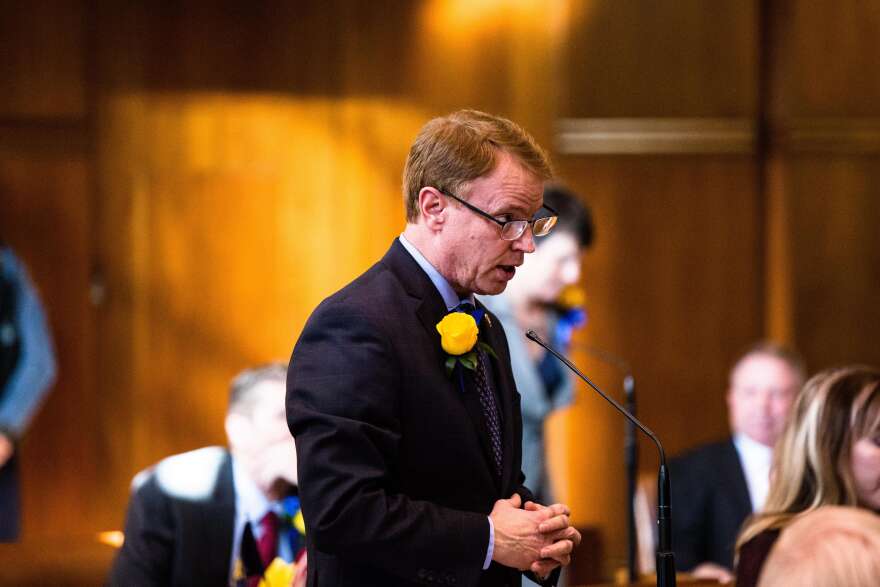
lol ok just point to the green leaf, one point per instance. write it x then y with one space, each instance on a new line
468 361
489 350
450 365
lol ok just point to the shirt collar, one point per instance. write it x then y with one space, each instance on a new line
250 501
450 298
752 450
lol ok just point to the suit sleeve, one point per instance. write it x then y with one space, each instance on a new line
342 408
144 560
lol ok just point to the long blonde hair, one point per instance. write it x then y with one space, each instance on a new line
811 462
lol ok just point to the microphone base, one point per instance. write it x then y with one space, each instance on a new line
665 569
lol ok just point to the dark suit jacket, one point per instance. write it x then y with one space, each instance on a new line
394 457
180 522
710 501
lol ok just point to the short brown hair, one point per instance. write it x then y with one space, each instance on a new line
455 149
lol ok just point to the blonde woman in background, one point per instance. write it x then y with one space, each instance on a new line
832 546
829 454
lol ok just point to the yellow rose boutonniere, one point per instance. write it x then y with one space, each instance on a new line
458 333
458 337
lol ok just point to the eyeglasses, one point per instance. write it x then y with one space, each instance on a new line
513 229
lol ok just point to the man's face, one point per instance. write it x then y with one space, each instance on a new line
555 265
261 439
479 261
762 390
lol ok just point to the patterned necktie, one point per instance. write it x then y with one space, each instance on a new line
490 408
488 401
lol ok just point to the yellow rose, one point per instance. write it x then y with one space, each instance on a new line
458 333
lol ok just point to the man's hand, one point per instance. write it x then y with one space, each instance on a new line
562 536
6 449
712 571
518 539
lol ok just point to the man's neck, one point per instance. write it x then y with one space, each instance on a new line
417 237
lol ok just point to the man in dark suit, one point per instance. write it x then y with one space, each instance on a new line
717 486
212 516
409 441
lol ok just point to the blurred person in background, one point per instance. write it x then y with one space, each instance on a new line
214 516
832 546
716 486
829 454
543 297
27 371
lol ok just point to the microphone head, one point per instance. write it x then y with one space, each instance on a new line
532 335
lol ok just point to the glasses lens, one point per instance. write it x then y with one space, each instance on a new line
543 226
513 230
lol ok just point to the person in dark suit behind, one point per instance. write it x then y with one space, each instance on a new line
717 486
400 392
214 516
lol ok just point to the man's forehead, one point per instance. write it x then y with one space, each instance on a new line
763 369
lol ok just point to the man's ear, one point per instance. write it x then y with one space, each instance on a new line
432 207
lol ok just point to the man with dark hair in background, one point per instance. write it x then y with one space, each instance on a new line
214 516
400 391
716 486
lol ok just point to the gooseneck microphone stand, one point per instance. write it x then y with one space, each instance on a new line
665 556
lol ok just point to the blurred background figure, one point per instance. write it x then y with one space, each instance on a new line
715 487
828 455
27 371
532 301
214 516
832 546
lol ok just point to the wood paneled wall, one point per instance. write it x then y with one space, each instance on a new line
187 181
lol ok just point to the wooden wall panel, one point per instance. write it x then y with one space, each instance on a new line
833 257
823 57
682 59
42 59
824 182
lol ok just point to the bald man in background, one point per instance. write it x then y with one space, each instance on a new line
716 486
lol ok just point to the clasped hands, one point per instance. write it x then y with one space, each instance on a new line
532 537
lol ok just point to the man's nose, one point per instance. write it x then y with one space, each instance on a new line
526 241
